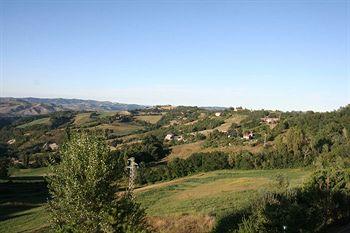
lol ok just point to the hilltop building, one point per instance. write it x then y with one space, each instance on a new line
169 137
10 142
248 135
270 120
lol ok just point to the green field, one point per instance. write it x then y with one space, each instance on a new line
41 171
42 121
212 192
22 202
197 197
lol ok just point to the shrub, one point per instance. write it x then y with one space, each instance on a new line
322 201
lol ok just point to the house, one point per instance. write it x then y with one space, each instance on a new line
165 107
179 138
248 135
10 142
218 114
270 120
50 146
169 137
53 146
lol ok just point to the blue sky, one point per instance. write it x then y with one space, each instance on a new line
289 55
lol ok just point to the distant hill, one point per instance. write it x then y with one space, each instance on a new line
36 106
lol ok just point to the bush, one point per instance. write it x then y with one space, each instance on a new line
177 167
322 201
151 149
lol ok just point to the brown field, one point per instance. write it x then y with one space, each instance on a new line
82 118
121 128
149 118
234 119
182 224
185 150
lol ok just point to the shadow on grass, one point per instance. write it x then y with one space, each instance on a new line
20 194
230 222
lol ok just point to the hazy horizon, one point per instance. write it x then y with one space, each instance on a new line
259 55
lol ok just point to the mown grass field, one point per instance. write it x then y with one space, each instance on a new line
212 192
42 121
41 171
172 206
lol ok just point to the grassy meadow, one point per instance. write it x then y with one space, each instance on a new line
212 192
172 206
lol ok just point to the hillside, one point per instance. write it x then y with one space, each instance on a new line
198 169
38 106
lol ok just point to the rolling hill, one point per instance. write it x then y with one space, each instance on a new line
37 106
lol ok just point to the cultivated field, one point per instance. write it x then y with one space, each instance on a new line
149 118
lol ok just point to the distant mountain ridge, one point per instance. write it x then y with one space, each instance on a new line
10 106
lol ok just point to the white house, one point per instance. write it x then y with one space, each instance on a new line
169 137
10 142
248 135
270 120
179 138
53 146
218 114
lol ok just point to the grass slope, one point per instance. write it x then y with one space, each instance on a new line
212 192
42 121
188 204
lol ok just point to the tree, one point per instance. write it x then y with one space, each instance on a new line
4 168
151 149
84 190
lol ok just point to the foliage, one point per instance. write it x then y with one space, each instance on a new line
149 150
84 191
322 201
4 167
198 162
60 118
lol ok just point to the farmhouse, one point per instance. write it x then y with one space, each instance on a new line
179 138
50 146
169 137
270 120
10 142
248 135
218 114
53 146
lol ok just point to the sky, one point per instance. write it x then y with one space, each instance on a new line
287 55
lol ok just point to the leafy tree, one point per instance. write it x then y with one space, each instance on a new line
151 149
4 168
60 118
84 191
